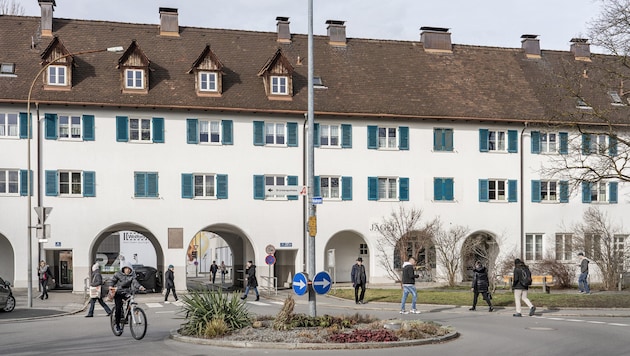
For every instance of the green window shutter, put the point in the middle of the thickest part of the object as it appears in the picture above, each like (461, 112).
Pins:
(152, 185)
(259, 136)
(437, 145)
(187, 186)
(89, 184)
(403, 138)
(512, 191)
(372, 132)
(24, 127)
(88, 127)
(293, 181)
(346, 188)
(512, 141)
(564, 143)
(192, 136)
(483, 190)
(564, 191)
(586, 192)
(483, 141)
(140, 185)
(448, 189)
(536, 196)
(227, 137)
(122, 129)
(222, 186)
(372, 188)
(448, 140)
(438, 188)
(612, 146)
(586, 144)
(403, 189)
(315, 137)
(535, 142)
(24, 182)
(317, 186)
(50, 124)
(612, 194)
(346, 136)
(158, 130)
(292, 134)
(51, 183)
(259, 187)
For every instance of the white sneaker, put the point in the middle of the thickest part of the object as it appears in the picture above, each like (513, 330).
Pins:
(404, 312)
(166, 302)
(413, 311)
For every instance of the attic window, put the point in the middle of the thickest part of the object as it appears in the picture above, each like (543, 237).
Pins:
(616, 98)
(279, 85)
(7, 68)
(208, 81)
(134, 78)
(57, 75)
(581, 104)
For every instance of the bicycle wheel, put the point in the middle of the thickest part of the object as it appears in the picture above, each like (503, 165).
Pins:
(137, 323)
(112, 322)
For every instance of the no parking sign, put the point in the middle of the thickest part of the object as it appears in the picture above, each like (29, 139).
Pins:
(270, 260)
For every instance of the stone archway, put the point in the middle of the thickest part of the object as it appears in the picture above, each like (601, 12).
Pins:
(422, 248)
(7, 259)
(342, 251)
(479, 246)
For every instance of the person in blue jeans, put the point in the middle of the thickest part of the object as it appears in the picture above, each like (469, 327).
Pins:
(409, 286)
(252, 282)
(583, 280)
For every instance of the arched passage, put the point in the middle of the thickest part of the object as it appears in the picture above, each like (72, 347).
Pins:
(342, 250)
(479, 246)
(7, 259)
(419, 245)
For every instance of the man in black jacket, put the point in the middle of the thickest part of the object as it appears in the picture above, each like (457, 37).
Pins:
(480, 285)
(169, 278)
(409, 286)
(359, 279)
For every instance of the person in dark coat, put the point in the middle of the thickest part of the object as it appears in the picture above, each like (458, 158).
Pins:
(95, 281)
(124, 283)
(44, 276)
(252, 282)
(213, 269)
(480, 284)
(169, 278)
(359, 279)
(520, 289)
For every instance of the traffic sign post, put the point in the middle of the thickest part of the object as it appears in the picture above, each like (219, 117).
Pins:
(322, 282)
(300, 283)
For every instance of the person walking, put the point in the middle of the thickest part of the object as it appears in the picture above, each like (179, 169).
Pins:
(44, 274)
(96, 281)
(122, 285)
(583, 286)
(359, 279)
(223, 271)
(169, 278)
(213, 269)
(480, 284)
(520, 288)
(252, 282)
(409, 286)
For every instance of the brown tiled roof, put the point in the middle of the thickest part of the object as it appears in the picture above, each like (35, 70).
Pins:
(378, 78)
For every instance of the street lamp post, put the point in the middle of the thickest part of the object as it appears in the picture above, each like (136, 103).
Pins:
(28, 152)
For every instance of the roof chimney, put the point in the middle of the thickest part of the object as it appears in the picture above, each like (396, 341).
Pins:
(436, 39)
(581, 49)
(284, 34)
(169, 25)
(531, 45)
(336, 33)
(48, 6)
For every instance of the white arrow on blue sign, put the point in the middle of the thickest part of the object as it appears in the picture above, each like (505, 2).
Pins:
(300, 283)
(322, 282)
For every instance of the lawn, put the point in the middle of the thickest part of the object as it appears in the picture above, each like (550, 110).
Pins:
(502, 297)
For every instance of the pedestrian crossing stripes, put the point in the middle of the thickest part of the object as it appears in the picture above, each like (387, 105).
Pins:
(583, 321)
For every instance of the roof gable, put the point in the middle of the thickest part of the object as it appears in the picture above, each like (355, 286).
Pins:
(277, 64)
(207, 60)
(133, 57)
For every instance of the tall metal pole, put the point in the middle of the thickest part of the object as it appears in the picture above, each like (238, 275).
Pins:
(312, 219)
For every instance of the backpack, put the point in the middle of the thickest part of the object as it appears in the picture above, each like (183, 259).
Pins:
(526, 277)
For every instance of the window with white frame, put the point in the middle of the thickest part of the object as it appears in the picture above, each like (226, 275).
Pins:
(330, 187)
(9, 181)
(8, 125)
(7, 68)
(70, 183)
(497, 190)
(387, 137)
(205, 185)
(279, 85)
(134, 78)
(387, 188)
(275, 133)
(329, 136)
(140, 130)
(208, 81)
(533, 247)
(548, 142)
(619, 249)
(592, 246)
(69, 127)
(548, 190)
(57, 75)
(598, 192)
(497, 140)
(209, 131)
(564, 247)
(277, 181)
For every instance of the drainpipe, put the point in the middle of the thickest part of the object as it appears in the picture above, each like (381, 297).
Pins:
(522, 201)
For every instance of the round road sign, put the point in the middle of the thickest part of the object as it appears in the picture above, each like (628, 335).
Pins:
(270, 249)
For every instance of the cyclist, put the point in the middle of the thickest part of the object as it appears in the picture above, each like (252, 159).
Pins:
(125, 282)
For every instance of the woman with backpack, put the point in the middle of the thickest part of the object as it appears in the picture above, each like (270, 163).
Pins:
(520, 285)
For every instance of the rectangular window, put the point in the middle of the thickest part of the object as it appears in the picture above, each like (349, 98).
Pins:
(497, 190)
(387, 188)
(205, 185)
(70, 127)
(363, 249)
(9, 181)
(619, 249)
(209, 131)
(496, 141)
(146, 185)
(549, 190)
(207, 81)
(592, 246)
(279, 85)
(330, 187)
(564, 247)
(8, 125)
(70, 183)
(387, 137)
(57, 75)
(275, 181)
(140, 130)
(329, 135)
(134, 78)
(275, 133)
(598, 143)
(443, 139)
(533, 247)
(7, 68)
(548, 142)
(598, 192)
(443, 189)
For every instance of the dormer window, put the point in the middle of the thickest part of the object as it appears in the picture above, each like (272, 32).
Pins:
(57, 75)
(59, 62)
(208, 82)
(135, 78)
(616, 98)
(277, 75)
(208, 74)
(279, 85)
(134, 68)
(581, 104)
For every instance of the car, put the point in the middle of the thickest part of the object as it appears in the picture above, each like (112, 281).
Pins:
(148, 277)
(7, 301)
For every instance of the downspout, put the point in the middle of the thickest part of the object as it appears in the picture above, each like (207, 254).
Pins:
(522, 200)
(305, 131)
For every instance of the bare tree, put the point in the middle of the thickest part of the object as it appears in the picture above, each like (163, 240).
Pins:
(603, 243)
(10, 7)
(448, 248)
(401, 228)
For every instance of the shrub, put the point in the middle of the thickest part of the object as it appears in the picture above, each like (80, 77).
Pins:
(561, 272)
(283, 319)
(364, 335)
(202, 308)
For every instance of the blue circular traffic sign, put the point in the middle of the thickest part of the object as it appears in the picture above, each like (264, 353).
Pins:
(270, 259)
(300, 283)
(322, 282)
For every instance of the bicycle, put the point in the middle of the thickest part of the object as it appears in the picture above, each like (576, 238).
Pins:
(132, 315)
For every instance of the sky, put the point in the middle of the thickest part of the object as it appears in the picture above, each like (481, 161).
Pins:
(495, 23)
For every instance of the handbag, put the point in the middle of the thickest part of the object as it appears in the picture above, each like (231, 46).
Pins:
(95, 292)
(110, 294)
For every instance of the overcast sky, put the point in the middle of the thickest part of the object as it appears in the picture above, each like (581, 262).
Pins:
(498, 23)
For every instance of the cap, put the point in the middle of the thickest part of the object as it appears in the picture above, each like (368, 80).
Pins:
(581, 254)
(360, 259)
(170, 266)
